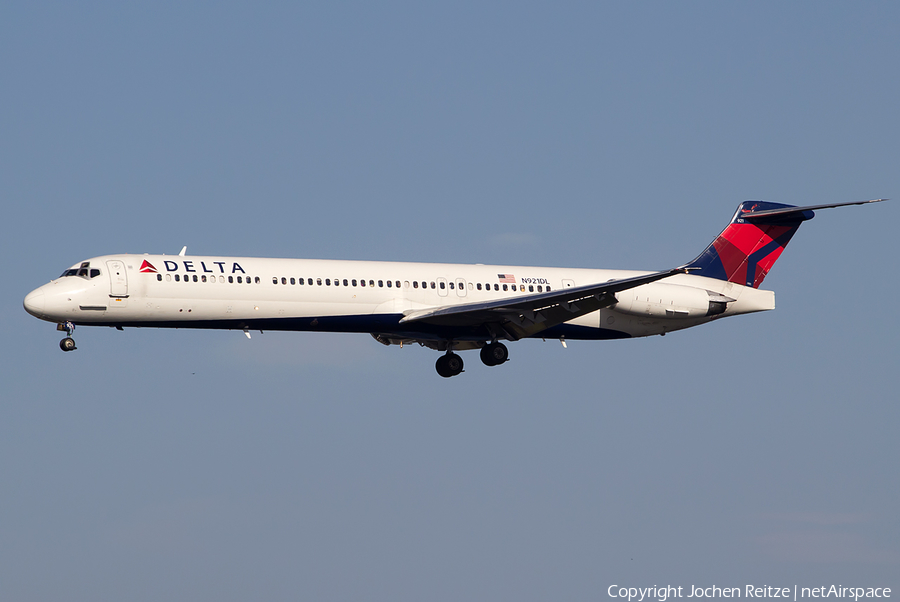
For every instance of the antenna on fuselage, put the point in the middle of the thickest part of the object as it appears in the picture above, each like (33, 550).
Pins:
(183, 251)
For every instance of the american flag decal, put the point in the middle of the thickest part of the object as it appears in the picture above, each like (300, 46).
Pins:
(507, 278)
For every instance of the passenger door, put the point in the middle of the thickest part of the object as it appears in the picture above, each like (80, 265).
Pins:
(118, 280)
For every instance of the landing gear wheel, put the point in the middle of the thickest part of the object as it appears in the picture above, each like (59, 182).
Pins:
(449, 365)
(67, 344)
(494, 354)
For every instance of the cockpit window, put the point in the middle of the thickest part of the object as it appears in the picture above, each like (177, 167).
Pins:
(84, 270)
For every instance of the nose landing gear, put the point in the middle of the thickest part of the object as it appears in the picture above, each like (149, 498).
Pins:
(68, 343)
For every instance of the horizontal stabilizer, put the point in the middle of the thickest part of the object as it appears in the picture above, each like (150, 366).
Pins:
(785, 212)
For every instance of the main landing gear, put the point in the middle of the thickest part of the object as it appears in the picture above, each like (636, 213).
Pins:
(449, 365)
(68, 343)
(492, 354)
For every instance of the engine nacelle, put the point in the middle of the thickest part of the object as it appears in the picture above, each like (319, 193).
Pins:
(660, 300)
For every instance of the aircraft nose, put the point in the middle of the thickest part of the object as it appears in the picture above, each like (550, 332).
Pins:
(34, 303)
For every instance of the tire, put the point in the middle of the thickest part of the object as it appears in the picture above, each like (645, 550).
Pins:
(449, 365)
(67, 344)
(454, 363)
(441, 366)
(494, 354)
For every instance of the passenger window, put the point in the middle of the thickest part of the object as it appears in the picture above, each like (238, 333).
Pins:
(405, 284)
(231, 280)
(345, 282)
(328, 282)
(362, 282)
(283, 280)
(522, 288)
(398, 284)
(168, 277)
(504, 287)
(318, 281)
(432, 285)
(274, 280)
(424, 284)
(451, 286)
(540, 288)
(530, 288)
(415, 284)
(195, 278)
(389, 284)
(548, 289)
(203, 278)
(221, 279)
(239, 279)
(380, 283)
(353, 282)
(300, 281)
(256, 280)
(177, 278)
(159, 277)
(443, 285)
(497, 287)
(478, 286)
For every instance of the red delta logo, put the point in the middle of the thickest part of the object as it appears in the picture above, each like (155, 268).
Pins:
(147, 267)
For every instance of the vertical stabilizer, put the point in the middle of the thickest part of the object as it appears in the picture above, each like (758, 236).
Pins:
(749, 246)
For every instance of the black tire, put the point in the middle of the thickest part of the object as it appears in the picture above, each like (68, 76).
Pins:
(494, 354)
(441, 366)
(67, 344)
(449, 365)
(454, 363)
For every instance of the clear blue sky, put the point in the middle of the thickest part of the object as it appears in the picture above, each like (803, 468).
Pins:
(182, 465)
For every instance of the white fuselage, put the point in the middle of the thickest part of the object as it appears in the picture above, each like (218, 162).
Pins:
(361, 296)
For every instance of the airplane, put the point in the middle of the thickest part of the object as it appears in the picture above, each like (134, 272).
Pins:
(445, 307)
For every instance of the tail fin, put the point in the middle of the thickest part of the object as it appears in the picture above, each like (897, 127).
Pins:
(748, 247)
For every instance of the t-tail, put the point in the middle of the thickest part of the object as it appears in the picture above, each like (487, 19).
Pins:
(750, 245)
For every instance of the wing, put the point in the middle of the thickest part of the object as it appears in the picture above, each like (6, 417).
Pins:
(526, 316)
